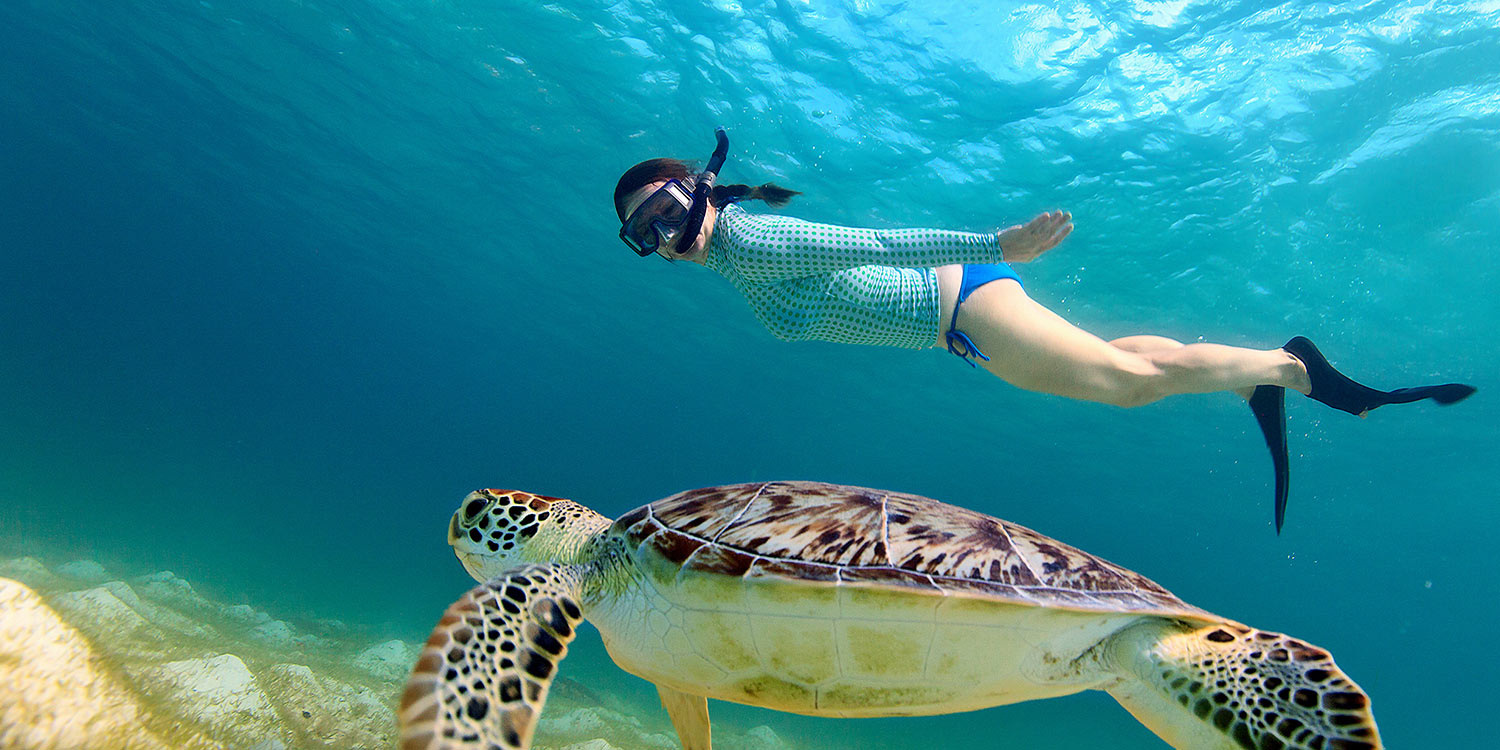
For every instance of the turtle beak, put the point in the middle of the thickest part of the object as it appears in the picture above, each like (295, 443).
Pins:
(453, 533)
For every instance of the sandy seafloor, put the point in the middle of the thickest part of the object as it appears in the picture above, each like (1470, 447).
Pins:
(280, 282)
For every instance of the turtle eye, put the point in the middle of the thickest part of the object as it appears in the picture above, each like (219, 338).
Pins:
(475, 507)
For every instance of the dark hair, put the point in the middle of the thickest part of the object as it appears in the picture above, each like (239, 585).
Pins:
(654, 170)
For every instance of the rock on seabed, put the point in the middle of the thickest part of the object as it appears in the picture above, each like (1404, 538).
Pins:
(391, 660)
(155, 666)
(55, 694)
(218, 692)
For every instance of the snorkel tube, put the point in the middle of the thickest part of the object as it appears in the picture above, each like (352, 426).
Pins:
(701, 193)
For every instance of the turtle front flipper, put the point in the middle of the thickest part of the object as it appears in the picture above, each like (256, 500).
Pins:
(482, 678)
(1227, 686)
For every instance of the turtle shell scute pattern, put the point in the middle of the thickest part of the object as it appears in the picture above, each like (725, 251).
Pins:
(816, 532)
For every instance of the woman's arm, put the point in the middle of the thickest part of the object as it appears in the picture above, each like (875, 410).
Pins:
(768, 248)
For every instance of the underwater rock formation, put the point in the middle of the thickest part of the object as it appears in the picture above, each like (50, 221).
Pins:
(92, 662)
(391, 660)
(155, 660)
(54, 692)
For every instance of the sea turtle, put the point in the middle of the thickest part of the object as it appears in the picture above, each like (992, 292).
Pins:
(829, 600)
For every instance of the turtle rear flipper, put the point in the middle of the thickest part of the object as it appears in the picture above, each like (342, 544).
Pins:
(1228, 686)
(689, 714)
(482, 678)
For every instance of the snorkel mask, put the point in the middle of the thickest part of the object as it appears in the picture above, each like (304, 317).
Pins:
(676, 209)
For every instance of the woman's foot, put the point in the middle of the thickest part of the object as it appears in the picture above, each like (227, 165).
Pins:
(1333, 388)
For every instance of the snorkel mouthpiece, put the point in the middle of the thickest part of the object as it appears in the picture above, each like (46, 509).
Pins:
(701, 193)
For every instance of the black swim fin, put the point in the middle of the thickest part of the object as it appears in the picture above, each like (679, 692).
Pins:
(1333, 388)
(1268, 403)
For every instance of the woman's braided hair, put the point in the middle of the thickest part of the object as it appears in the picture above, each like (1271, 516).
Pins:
(655, 170)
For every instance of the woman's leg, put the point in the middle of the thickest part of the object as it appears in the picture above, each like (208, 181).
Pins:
(1152, 344)
(1032, 347)
(1146, 344)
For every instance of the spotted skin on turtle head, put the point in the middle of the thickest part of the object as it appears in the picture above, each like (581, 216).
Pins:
(499, 520)
(482, 678)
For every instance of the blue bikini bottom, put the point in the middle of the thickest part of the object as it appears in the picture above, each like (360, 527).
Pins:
(975, 275)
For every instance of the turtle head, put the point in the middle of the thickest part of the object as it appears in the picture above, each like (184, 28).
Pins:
(494, 530)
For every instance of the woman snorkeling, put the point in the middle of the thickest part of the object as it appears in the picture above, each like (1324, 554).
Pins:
(922, 288)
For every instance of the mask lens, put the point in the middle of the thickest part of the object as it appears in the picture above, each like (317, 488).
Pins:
(657, 219)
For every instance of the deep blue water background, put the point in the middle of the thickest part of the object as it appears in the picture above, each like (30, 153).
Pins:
(281, 281)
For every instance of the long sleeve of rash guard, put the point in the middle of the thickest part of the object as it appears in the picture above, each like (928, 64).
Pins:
(772, 248)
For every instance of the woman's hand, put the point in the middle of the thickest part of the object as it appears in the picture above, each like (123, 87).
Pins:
(1022, 243)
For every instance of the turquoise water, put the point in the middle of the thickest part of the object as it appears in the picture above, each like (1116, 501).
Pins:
(281, 281)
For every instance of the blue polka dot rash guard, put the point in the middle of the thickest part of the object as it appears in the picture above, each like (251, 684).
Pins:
(847, 285)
